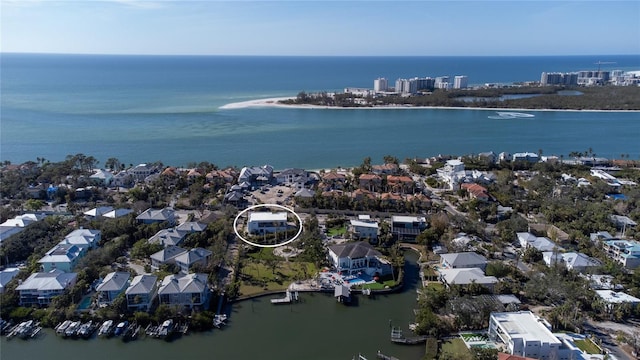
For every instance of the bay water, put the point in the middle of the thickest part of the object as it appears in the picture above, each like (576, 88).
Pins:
(167, 108)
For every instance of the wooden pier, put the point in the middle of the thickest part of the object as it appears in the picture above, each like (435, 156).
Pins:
(398, 338)
(288, 298)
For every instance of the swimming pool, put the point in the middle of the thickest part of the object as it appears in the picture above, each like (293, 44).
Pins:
(85, 303)
(355, 281)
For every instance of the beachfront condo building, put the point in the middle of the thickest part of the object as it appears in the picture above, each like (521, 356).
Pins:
(460, 82)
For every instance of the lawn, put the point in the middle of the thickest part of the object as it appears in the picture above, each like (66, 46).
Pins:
(588, 346)
(455, 349)
(259, 276)
(341, 230)
(379, 286)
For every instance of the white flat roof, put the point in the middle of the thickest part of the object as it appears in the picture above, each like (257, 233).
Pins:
(268, 216)
(364, 224)
(613, 297)
(408, 219)
(524, 325)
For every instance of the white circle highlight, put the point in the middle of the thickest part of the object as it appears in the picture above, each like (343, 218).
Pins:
(235, 224)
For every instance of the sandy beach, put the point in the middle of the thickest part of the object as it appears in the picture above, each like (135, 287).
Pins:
(275, 102)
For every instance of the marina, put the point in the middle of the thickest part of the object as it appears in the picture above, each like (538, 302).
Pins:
(25, 330)
(315, 316)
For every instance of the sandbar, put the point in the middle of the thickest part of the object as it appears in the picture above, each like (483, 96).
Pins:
(275, 102)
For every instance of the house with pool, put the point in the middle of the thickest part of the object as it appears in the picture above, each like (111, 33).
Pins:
(358, 258)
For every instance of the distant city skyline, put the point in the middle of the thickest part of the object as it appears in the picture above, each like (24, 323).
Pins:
(321, 28)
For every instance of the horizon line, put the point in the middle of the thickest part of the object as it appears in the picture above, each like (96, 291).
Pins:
(288, 55)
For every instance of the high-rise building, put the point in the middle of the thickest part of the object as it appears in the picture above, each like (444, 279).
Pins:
(559, 78)
(426, 83)
(380, 85)
(460, 82)
(442, 82)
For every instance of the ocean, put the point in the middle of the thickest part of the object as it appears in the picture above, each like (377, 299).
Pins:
(167, 108)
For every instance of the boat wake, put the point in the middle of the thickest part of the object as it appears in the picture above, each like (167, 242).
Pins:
(510, 115)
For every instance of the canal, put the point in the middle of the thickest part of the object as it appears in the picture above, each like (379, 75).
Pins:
(316, 328)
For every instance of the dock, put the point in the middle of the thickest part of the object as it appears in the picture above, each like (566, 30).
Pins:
(398, 338)
(288, 298)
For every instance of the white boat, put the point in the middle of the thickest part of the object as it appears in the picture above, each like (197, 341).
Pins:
(219, 320)
(105, 329)
(510, 115)
(72, 328)
(165, 329)
(62, 327)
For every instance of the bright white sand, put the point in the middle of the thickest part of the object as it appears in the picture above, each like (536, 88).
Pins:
(274, 102)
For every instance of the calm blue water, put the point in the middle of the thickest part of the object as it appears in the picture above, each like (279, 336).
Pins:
(148, 108)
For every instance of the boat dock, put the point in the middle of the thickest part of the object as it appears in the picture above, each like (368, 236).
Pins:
(288, 298)
(398, 338)
(25, 330)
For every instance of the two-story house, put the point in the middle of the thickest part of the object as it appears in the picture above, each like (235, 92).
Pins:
(188, 291)
(40, 288)
(142, 292)
(114, 284)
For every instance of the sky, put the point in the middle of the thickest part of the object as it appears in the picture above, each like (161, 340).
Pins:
(326, 28)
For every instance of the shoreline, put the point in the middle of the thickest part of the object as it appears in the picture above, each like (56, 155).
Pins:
(274, 103)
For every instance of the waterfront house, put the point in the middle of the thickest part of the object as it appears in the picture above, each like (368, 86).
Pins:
(111, 286)
(188, 259)
(406, 228)
(524, 334)
(101, 177)
(41, 287)
(62, 257)
(463, 260)
(189, 291)
(625, 252)
(400, 184)
(142, 171)
(165, 256)
(333, 181)
(466, 277)
(267, 222)
(355, 257)
(142, 292)
(385, 169)
(152, 216)
(7, 275)
(292, 177)
(371, 182)
(256, 175)
(225, 176)
(122, 179)
(525, 157)
(364, 228)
